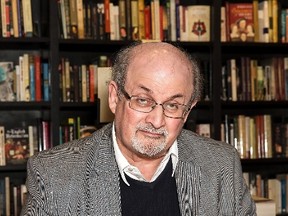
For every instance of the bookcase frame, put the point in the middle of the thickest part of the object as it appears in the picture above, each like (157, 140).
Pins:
(215, 50)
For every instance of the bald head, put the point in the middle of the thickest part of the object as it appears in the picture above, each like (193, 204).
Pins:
(154, 55)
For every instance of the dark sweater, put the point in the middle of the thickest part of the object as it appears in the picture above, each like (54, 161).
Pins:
(150, 199)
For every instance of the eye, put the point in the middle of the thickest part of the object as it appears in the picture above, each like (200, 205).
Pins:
(171, 106)
(144, 102)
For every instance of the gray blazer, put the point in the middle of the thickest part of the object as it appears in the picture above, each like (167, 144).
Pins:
(82, 178)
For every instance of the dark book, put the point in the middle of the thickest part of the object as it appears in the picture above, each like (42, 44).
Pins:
(101, 21)
(36, 17)
(16, 145)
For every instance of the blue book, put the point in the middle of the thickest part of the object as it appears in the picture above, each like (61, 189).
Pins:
(46, 82)
(32, 82)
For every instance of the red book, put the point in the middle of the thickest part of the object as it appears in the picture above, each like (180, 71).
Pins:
(91, 83)
(107, 18)
(147, 22)
(37, 65)
(240, 23)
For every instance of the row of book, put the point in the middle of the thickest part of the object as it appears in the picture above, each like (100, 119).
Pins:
(23, 18)
(259, 136)
(27, 80)
(254, 21)
(247, 79)
(12, 196)
(19, 142)
(274, 188)
(81, 83)
(134, 20)
(72, 129)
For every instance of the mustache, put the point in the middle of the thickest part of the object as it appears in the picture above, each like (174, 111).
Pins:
(151, 129)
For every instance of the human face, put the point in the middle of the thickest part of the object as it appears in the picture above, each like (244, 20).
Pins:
(159, 75)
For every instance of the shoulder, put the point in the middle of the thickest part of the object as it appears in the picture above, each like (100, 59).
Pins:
(195, 147)
(76, 150)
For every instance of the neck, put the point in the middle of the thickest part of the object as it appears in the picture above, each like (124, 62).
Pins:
(147, 166)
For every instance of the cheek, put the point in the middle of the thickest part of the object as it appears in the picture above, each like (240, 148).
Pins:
(174, 128)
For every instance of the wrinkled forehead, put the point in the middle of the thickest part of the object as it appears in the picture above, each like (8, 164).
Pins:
(157, 54)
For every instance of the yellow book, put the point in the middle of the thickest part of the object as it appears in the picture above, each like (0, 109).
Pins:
(255, 20)
(15, 18)
(27, 18)
(80, 19)
(104, 77)
(275, 20)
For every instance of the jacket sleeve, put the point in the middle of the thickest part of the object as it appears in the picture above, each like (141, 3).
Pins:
(245, 205)
(37, 200)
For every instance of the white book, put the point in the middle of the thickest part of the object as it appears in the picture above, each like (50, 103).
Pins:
(199, 22)
(233, 79)
(104, 77)
(116, 22)
(25, 75)
(173, 19)
(263, 21)
(31, 140)
(112, 22)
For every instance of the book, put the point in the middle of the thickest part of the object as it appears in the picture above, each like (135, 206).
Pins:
(203, 129)
(73, 19)
(2, 146)
(7, 74)
(264, 206)
(27, 18)
(104, 76)
(240, 22)
(223, 24)
(87, 130)
(199, 23)
(263, 21)
(16, 145)
(46, 81)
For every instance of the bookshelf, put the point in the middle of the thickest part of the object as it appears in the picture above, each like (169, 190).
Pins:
(213, 111)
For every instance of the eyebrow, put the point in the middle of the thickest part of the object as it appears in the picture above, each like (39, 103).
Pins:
(170, 98)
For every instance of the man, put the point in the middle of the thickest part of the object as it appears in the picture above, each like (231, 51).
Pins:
(144, 163)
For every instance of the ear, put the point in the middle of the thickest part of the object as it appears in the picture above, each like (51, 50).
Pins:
(113, 96)
(187, 114)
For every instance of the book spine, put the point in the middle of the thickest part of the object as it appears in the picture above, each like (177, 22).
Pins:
(2, 146)
(46, 81)
(27, 18)
(38, 80)
(32, 81)
(80, 18)
(15, 18)
(141, 19)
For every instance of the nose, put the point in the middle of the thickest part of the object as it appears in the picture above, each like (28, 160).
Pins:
(156, 117)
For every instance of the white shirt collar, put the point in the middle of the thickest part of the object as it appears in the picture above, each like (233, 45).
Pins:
(132, 171)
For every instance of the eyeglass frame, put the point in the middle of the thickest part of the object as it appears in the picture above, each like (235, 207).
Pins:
(128, 97)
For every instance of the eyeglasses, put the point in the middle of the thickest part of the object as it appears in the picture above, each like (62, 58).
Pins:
(145, 105)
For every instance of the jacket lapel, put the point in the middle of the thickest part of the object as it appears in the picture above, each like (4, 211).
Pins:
(103, 193)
